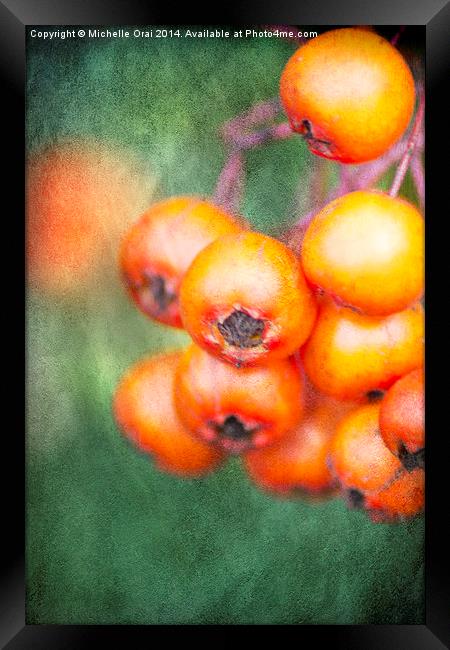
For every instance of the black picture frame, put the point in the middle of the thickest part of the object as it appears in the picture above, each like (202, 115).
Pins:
(15, 16)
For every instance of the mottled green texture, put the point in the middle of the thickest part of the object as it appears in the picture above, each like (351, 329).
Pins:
(109, 538)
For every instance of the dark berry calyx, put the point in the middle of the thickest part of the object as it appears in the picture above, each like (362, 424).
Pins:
(375, 395)
(316, 144)
(158, 288)
(355, 498)
(242, 330)
(411, 459)
(233, 429)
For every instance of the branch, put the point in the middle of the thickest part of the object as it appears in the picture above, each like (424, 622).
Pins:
(411, 144)
(229, 185)
(418, 178)
(262, 112)
(394, 39)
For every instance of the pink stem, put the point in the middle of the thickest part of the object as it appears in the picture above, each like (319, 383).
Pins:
(251, 140)
(411, 144)
(394, 39)
(418, 178)
(239, 137)
(366, 175)
(261, 112)
(229, 184)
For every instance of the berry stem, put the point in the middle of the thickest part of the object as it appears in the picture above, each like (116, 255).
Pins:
(242, 140)
(418, 177)
(411, 144)
(396, 37)
(257, 114)
(239, 137)
(367, 175)
(230, 183)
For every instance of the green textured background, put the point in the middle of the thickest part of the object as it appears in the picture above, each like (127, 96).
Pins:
(109, 538)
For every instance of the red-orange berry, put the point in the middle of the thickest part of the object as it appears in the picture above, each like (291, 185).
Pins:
(402, 419)
(371, 477)
(235, 408)
(349, 354)
(159, 248)
(245, 299)
(350, 93)
(403, 498)
(367, 249)
(145, 411)
(298, 462)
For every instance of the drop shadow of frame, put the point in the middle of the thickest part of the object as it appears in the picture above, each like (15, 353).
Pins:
(14, 17)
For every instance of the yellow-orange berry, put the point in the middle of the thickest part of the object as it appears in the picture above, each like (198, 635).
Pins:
(350, 93)
(367, 249)
(349, 355)
(80, 197)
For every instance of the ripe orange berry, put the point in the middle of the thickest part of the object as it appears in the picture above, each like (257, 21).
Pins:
(159, 248)
(371, 477)
(367, 249)
(80, 197)
(145, 411)
(403, 498)
(350, 93)
(245, 299)
(359, 458)
(238, 409)
(402, 419)
(298, 462)
(349, 355)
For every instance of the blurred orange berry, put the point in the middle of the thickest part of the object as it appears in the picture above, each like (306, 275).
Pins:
(80, 197)
(144, 409)
(299, 461)
(403, 498)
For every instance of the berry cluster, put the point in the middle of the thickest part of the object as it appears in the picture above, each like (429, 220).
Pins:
(305, 360)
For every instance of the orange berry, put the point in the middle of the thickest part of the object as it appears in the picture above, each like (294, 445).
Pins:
(403, 498)
(144, 409)
(79, 197)
(349, 355)
(359, 458)
(367, 249)
(245, 299)
(299, 461)
(370, 476)
(402, 419)
(238, 409)
(350, 93)
(159, 248)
